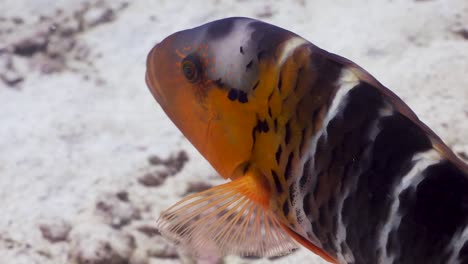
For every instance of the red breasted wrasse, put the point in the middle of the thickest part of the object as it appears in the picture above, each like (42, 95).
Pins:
(316, 149)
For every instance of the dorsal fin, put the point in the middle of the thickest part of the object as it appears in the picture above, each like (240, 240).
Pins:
(227, 219)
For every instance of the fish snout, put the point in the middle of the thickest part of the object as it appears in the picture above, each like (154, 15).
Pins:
(151, 74)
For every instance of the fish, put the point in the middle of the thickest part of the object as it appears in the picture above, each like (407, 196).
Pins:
(315, 152)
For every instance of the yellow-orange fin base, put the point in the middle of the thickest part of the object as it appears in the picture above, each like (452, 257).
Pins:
(226, 220)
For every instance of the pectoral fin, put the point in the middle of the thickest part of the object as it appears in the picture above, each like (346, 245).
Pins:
(228, 219)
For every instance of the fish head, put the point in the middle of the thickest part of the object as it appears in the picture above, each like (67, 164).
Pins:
(203, 78)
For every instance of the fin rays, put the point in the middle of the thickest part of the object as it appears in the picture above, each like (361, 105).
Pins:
(223, 221)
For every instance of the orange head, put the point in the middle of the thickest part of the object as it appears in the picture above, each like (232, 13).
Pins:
(207, 80)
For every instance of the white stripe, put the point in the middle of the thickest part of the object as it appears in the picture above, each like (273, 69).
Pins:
(345, 83)
(456, 244)
(421, 161)
(348, 257)
(289, 46)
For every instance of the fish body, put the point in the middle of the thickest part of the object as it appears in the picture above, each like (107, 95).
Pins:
(317, 151)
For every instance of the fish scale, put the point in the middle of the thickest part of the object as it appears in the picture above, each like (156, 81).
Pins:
(317, 152)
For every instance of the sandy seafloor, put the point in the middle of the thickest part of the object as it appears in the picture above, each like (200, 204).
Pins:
(88, 159)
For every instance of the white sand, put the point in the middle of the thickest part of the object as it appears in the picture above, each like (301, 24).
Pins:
(73, 139)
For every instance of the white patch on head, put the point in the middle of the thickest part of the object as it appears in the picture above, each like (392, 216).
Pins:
(411, 180)
(456, 245)
(230, 61)
(289, 46)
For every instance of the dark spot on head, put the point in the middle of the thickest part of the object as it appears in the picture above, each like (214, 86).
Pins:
(219, 82)
(249, 65)
(233, 94)
(279, 187)
(241, 50)
(242, 97)
(255, 85)
(260, 55)
(269, 111)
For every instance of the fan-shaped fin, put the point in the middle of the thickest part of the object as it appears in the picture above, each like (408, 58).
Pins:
(229, 219)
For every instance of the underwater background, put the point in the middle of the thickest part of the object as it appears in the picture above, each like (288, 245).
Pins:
(88, 159)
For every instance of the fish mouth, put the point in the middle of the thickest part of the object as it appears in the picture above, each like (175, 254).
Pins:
(150, 75)
(153, 87)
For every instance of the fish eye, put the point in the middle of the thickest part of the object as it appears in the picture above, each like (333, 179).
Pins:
(191, 68)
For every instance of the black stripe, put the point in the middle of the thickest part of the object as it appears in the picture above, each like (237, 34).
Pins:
(287, 171)
(306, 203)
(291, 193)
(269, 96)
(315, 117)
(439, 204)
(287, 136)
(286, 208)
(299, 74)
(278, 154)
(254, 135)
(279, 187)
(280, 82)
(255, 85)
(262, 126)
(302, 142)
(305, 173)
(317, 184)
